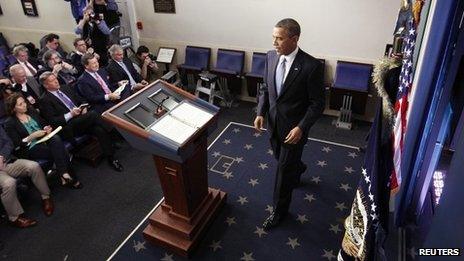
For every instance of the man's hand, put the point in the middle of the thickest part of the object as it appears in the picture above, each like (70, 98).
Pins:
(258, 123)
(84, 111)
(294, 136)
(114, 96)
(75, 112)
(57, 68)
(147, 61)
(122, 82)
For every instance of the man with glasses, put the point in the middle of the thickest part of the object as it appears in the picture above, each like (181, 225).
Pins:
(50, 42)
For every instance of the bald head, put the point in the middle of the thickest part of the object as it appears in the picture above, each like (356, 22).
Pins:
(18, 73)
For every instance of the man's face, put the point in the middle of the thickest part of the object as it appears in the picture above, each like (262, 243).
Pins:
(81, 46)
(22, 56)
(19, 76)
(118, 55)
(143, 56)
(51, 83)
(53, 45)
(92, 65)
(283, 44)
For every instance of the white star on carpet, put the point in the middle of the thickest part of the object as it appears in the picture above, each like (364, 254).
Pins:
(248, 146)
(263, 166)
(228, 175)
(236, 130)
(309, 197)
(316, 179)
(345, 187)
(260, 231)
(269, 209)
(167, 257)
(374, 216)
(352, 154)
(226, 141)
(371, 197)
(247, 257)
(302, 219)
(216, 154)
(230, 221)
(326, 149)
(349, 170)
(239, 159)
(328, 254)
(253, 182)
(139, 246)
(270, 152)
(293, 242)
(412, 252)
(257, 134)
(215, 245)
(373, 207)
(242, 200)
(340, 206)
(335, 228)
(367, 179)
(321, 163)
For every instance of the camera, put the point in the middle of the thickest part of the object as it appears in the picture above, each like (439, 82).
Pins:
(152, 57)
(95, 17)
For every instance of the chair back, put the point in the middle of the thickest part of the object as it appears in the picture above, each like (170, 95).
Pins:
(353, 76)
(197, 57)
(230, 60)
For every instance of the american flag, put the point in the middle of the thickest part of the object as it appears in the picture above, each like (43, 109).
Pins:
(401, 105)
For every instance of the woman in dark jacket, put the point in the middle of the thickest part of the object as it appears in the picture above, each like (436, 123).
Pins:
(25, 128)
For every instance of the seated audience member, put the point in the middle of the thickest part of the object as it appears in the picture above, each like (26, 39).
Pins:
(96, 33)
(53, 62)
(75, 57)
(60, 106)
(144, 64)
(121, 68)
(25, 128)
(50, 42)
(12, 168)
(21, 53)
(27, 86)
(93, 85)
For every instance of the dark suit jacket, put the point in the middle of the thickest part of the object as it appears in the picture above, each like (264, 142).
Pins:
(33, 62)
(91, 90)
(33, 88)
(301, 100)
(18, 132)
(117, 73)
(53, 110)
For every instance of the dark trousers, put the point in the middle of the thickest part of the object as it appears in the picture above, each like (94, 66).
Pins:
(289, 170)
(92, 124)
(52, 150)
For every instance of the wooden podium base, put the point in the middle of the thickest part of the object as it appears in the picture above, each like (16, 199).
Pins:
(181, 234)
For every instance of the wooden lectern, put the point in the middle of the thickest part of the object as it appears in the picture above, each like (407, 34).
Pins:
(180, 157)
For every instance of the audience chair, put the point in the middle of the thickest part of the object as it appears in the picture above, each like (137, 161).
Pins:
(255, 77)
(349, 90)
(196, 60)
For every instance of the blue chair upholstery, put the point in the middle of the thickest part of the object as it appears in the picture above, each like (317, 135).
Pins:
(11, 59)
(3, 52)
(3, 67)
(352, 76)
(229, 61)
(255, 76)
(196, 58)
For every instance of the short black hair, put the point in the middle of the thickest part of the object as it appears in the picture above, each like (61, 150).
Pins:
(76, 41)
(50, 37)
(86, 57)
(142, 49)
(289, 24)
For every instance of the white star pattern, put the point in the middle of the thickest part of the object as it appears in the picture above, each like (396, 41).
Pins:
(226, 141)
(239, 159)
(349, 170)
(335, 228)
(263, 166)
(302, 219)
(228, 175)
(374, 216)
(270, 152)
(316, 179)
(215, 245)
(236, 130)
(328, 254)
(216, 154)
(242, 200)
(247, 257)
(340, 206)
(253, 182)
(326, 149)
(321, 163)
(139, 246)
(412, 252)
(293, 242)
(367, 179)
(352, 154)
(260, 231)
(230, 221)
(269, 209)
(248, 146)
(364, 171)
(345, 187)
(167, 257)
(371, 197)
(257, 134)
(373, 207)
(309, 197)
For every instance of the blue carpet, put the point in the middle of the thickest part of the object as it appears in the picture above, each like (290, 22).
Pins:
(241, 163)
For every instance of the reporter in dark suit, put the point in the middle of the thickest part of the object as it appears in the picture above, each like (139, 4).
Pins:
(59, 105)
(25, 128)
(121, 68)
(292, 98)
(94, 86)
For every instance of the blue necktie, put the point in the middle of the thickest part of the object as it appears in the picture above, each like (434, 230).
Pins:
(67, 102)
(280, 76)
(131, 80)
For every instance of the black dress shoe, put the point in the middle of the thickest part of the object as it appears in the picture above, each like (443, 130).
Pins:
(116, 165)
(273, 220)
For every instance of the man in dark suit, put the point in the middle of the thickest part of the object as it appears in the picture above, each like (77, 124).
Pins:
(50, 42)
(95, 87)
(28, 86)
(292, 98)
(60, 106)
(21, 53)
(121, 68)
